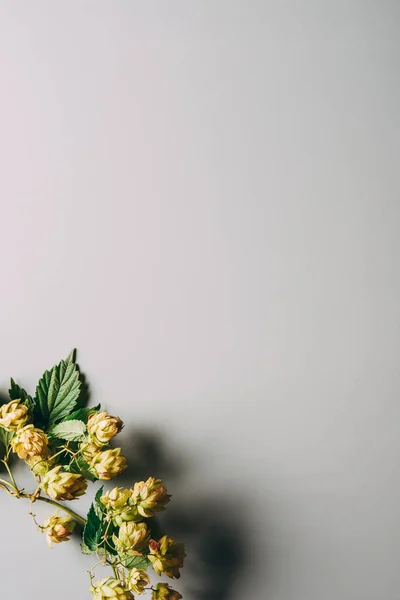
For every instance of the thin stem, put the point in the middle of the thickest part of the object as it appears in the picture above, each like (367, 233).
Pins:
(64, 508)
(12, 477)
(7, 483)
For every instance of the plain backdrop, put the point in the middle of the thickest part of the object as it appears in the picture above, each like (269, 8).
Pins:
(202, 197)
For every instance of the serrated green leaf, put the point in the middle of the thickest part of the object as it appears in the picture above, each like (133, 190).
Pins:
(93, 531)
(57, 392)
(99, 507)
(17, 393)
(82, 414)
(80, 466)
(136, 562)
(72, 431)
(85, 549)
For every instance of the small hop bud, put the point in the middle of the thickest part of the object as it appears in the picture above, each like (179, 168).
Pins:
(119, 505)
(131, 538)
(29, 441)
(13, 415)
(166, 557)
(106, 589)
(150, 496)
(60, 485)
(39, 465)
(108, 464)
(162, 591)
(137, 581)
(102, 427)
(58, 529)
(88, 451)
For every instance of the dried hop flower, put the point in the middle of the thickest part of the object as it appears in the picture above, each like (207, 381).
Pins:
(29, 441)
(166, 556)
(58, 529)
(102, 427)
(60, 485)
(162, 591)
(150, 496)
(119, 505)
(108, 464)
(13, 415)
(137, 581)
(131, 538)
(104, 589)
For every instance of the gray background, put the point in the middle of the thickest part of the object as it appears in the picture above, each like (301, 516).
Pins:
(202, 197)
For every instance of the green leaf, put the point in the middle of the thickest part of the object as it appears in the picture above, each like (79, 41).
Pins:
(80, 466)
(136, 562)
(82, 414)
(85, 549)
(72, 431)
(93, 531)
(16, 392)
(57, 392)
(99, 507)
(6, 436)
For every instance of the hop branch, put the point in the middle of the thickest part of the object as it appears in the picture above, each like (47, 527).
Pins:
(65, 447)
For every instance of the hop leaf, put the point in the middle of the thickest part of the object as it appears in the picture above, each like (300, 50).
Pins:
(57, 392)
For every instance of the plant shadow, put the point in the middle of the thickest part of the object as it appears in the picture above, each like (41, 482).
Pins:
(213, 528)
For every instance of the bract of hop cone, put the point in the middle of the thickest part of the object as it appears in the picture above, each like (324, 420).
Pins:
(66, 445)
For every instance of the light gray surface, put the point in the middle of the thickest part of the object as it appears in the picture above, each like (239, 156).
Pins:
(203, 198)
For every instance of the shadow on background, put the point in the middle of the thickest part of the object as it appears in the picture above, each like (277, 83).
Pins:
(213, 527)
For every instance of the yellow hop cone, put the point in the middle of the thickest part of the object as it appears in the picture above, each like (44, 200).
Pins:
(108, 464)
(60, 485)
(120, 508)
(104, 589)
(162, 591)
(58, 529)
(102, 427)
(150, 496)
(166, 557)
(131, 538)
(137, 580)
(13, 415)
(29, 441)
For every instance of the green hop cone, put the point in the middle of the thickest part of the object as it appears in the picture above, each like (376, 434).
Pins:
(39, 465)
(131, 538)
(108, 464)
(150, 496)
(89, 451)
(13, 415)
(137, 580)
(106, 589)
(102, 427)
(119, 505)
(60, 485)
(162, 591)
(166, 556)
(58, 529)
(29, 441)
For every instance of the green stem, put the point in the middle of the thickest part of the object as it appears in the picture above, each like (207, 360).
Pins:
(11, 477)
(64, 508)
(7, 483)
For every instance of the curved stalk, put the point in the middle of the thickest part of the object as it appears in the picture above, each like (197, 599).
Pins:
(14, 483)
(73, 514)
